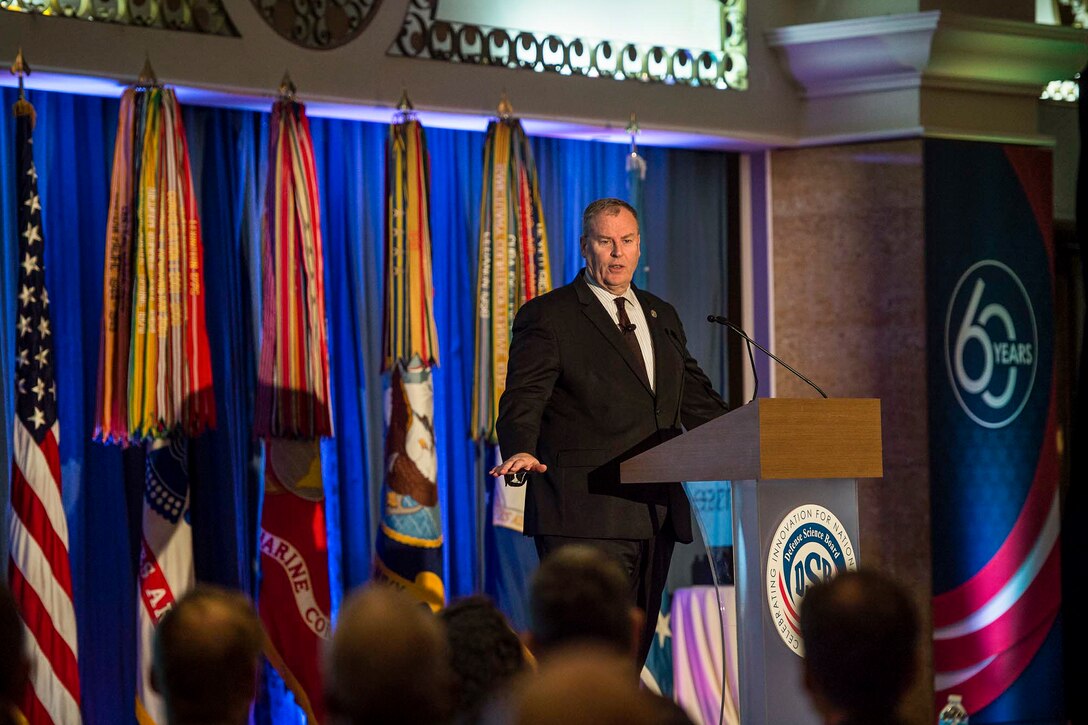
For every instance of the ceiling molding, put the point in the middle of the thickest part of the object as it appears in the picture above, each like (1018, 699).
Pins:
(963, 67)
(938, 48)
(882, 77)
(863, 55)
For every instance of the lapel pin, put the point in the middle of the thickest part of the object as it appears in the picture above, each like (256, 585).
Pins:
(653, 314)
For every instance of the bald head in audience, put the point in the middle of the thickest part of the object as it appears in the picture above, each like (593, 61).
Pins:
(387, 662)
(207, 650)
(581, 685)
(861, 636)
(581, 595)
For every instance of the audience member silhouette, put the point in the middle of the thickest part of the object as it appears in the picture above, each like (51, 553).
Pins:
(387, 663)
(207, 651)
(580, 595)
(581, 621)
(485, 654)
(861, 634)
(582, 684)
(14, 665)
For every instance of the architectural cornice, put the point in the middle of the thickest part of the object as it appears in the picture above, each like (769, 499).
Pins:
(935, 48)
(889, 76)
(359, 79)
(982, 74)
(844, 30)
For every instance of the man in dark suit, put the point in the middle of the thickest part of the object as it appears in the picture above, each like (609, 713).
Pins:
(598, 372)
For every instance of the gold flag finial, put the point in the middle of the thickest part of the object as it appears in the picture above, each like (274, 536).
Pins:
(405, 110)
(21, 69)
(147, 78)
(287, 90)
(506, 110)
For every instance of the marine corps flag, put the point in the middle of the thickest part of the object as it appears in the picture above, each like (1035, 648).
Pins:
(38, 568)
(294, 599)
(154, 364)
(293, 409)
(409, 545)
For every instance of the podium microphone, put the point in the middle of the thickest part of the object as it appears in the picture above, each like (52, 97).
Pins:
(726, 323)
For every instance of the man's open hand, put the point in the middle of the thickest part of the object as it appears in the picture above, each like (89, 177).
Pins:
(517, 463)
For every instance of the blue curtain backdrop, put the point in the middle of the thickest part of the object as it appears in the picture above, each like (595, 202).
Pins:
(684, 243)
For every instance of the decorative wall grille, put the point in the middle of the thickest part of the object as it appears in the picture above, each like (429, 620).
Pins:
(197, 16)
(424, 35)
(318, 24)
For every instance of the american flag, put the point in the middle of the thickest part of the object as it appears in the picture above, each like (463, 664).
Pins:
(39, 572)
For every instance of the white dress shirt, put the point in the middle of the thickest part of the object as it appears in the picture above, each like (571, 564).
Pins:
(637, 317)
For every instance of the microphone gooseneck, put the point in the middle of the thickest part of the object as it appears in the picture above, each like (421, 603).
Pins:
(718, 319)
(755, 373)
(674, 338)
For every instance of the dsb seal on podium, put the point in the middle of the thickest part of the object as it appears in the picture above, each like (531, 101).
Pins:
(809, 546)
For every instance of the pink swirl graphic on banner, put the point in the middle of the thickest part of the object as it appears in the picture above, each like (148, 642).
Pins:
(988, 629)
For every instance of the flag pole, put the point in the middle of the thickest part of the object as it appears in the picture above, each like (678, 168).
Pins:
(293, 407)
(410, 540)
(52, 693)
(636, 175)
(21, 69)
(513, 267)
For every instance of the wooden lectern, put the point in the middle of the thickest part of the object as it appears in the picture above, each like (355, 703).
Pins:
(783, 456)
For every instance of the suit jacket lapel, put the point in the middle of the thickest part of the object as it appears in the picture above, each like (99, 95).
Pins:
(665, 379)
(593, 309)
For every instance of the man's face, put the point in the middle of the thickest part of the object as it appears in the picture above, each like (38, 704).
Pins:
(611, 249)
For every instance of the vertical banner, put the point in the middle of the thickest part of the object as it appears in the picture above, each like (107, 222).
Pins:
(1076, 498)
(408, 551)
(293, 387)
(294, 597)
(293, 410)
(154, 363)
(39, 571)
(513, 264)
(166, 558)
(513, 268)
(994, 442)
(409, 546)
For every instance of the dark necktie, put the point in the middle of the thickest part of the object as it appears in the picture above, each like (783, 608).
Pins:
(628, 331)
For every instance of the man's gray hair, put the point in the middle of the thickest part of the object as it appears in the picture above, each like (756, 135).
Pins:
(608, 205)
